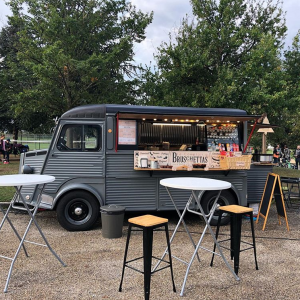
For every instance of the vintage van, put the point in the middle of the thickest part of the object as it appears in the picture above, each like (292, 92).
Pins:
(96, 150)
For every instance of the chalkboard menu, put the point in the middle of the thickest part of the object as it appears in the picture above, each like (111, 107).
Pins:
(272, 191)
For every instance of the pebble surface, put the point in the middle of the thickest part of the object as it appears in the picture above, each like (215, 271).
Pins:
(94, 263)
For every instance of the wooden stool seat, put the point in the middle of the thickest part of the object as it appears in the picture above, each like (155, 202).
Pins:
(236, 213)
(236, 209)
(147, 223)
(147, 220)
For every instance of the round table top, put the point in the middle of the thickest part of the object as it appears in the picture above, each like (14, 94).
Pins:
(195, 183)
(24, 179)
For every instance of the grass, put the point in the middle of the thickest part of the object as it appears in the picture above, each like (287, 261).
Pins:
(284, 172)
(7, 192)
(37, 146)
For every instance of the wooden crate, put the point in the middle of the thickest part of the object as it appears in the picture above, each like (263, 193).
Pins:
(235, 163)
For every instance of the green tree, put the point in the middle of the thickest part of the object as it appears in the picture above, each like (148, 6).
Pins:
(77, 52)
(292, 114)
(8, 86)
(228, 56)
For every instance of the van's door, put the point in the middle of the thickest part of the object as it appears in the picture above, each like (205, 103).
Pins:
(76, 159)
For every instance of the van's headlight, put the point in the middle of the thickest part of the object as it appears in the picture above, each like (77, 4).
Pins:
(27, 170)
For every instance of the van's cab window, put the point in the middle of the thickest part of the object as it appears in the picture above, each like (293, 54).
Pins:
(80, 138)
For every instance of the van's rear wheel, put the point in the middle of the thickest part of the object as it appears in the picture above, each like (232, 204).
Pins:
(207, 201)
(78, 211)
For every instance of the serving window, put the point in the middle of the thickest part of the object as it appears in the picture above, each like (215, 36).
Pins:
(175, 134)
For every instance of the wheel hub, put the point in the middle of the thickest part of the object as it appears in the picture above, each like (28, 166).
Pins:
(78, 211)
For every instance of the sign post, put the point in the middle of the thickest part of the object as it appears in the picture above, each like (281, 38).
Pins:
(272, 189)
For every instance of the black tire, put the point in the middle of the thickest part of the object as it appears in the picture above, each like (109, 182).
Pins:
(78, 211)
(226, 198)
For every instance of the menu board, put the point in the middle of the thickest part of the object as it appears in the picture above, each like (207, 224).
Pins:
(127, 132)
(175, 160)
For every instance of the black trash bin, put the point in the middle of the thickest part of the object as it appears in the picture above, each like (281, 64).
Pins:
(112, 217)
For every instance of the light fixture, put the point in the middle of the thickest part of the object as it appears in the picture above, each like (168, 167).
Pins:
(166, 119)
(171, 124)
(144, 119)
(154, 119)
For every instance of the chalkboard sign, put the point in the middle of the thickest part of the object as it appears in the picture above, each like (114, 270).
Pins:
(272, 190)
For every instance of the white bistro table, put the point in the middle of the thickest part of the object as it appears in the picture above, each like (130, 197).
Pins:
(196, 185)
(18, 202)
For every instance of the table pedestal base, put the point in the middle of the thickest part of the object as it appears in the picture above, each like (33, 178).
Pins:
(31, 212)
(207, 219)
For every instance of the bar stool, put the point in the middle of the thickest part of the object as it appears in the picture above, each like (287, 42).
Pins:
(236, 212)
(148, 223)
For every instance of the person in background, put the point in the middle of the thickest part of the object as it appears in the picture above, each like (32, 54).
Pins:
(286, 154)
(276, 154)
(7, 151)
(280, 152)
(297, 157)
(2, 145)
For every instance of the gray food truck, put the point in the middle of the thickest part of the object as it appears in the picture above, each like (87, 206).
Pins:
(117, 154)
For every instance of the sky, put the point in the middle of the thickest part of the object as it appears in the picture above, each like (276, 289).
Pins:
(168, 15)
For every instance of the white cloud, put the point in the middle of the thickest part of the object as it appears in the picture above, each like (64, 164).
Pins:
(168, 15)
(4, 12)
(292, 7)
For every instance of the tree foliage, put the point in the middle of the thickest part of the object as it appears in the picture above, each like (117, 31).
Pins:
(9, 86)
(229, 47)
(74, 52)
(290, 114)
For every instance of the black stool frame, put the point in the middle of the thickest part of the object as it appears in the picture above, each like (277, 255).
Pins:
(235, 237)
(147, 256)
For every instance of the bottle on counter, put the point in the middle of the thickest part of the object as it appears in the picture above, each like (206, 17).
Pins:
(213, 146)
(227, 147)
(209, 147)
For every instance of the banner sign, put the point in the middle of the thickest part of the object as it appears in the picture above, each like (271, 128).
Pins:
(174, 160)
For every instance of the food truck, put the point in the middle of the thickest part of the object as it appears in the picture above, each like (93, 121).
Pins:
(106, 154)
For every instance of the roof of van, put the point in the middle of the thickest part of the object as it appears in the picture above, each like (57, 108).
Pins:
(95, 111)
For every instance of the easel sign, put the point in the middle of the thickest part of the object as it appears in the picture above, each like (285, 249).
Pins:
(272, 189)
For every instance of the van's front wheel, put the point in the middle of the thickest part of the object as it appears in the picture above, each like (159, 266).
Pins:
(226, 198)
(78, 211)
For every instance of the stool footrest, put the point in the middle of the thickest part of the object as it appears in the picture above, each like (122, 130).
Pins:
(247, 249)
(157, 258)
(241, 250)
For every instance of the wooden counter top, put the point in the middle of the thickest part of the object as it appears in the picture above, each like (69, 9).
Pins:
(165, 169)
(263, 164)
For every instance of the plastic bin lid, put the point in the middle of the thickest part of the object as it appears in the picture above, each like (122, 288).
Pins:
(112, 209)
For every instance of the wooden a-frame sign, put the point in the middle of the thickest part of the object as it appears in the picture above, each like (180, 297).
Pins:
(272, 189)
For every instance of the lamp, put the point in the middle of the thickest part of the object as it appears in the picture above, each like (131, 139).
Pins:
(265, 131)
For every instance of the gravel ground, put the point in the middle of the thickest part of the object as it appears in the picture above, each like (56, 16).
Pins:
(94, 263)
